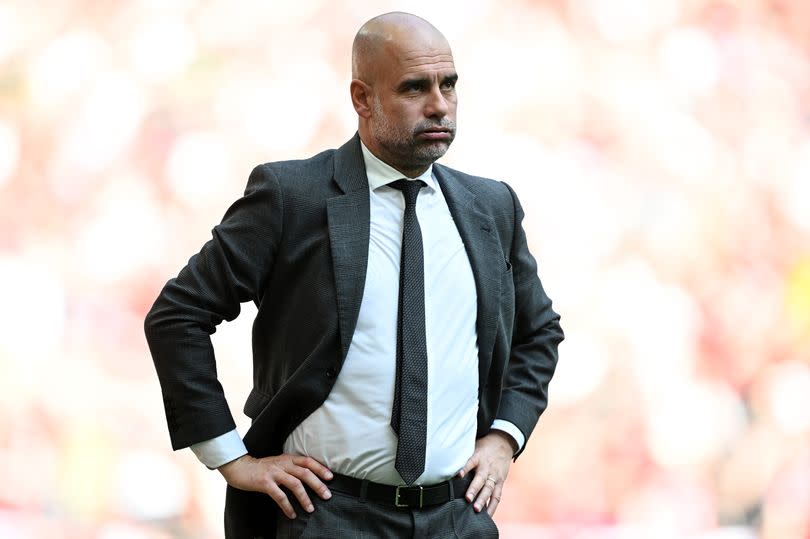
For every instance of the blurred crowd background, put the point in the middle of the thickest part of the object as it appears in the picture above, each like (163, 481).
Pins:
(661, 149)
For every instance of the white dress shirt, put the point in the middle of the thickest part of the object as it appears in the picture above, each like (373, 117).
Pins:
(350, 432)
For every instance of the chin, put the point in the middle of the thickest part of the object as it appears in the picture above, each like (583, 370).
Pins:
(433, 151)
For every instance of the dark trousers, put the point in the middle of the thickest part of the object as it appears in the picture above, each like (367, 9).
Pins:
(347, 517)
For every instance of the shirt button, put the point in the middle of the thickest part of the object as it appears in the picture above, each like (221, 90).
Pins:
(331, 372)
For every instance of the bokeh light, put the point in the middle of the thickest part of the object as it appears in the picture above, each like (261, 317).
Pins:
(661, 151)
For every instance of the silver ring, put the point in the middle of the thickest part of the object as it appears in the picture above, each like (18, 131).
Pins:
(489, 478)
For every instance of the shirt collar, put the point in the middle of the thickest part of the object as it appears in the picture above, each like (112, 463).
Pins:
(380, 173)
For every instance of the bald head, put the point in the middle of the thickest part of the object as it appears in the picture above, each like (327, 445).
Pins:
(387, 37)
(404, 91)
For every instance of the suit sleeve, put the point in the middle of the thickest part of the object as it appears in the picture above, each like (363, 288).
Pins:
(535, 337)
(230, 269)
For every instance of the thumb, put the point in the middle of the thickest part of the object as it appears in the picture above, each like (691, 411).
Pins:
(472, 463)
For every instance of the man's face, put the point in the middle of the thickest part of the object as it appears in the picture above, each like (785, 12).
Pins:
(413, 120)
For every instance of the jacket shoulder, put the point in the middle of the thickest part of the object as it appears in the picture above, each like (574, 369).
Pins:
(485, 189)
(295, 171)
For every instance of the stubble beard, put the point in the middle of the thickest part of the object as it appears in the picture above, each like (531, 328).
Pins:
(402, 146)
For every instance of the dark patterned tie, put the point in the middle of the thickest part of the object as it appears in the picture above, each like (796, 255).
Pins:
(409, 414)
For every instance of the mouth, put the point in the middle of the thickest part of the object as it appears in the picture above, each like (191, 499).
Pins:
(436, 133)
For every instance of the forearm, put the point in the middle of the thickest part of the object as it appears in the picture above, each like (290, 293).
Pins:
(193, 398)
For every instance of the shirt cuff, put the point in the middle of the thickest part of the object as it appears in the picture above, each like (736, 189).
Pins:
(220, 450)
(510, 429)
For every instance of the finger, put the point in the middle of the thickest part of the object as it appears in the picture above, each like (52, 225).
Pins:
(296, 487)
(495, 499)
(313, 482)
(312, 464)
(281, 500)
(485, 493)
(476, 484)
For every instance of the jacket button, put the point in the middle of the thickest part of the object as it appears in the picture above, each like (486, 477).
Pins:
(331, 372)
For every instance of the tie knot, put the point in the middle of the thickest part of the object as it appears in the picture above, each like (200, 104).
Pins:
(409, 188)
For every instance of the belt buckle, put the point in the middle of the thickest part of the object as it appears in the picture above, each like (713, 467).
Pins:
(421, 496)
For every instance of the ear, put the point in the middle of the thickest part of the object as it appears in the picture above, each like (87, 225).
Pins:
(361, 97)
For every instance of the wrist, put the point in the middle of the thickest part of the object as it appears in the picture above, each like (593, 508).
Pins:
(225, 469)
(509, 443)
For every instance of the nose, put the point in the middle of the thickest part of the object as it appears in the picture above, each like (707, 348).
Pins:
(436, 105)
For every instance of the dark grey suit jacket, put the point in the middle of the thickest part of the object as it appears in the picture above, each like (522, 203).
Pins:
(296, 245)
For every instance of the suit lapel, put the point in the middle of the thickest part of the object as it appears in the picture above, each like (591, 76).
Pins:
(477, 231)
(348, 217)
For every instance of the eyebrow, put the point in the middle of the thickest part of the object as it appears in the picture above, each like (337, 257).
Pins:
(411, 82)
(423, 82)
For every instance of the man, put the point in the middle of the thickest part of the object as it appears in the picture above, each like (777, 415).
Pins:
(403, 343)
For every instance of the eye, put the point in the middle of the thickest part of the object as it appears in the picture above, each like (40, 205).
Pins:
(448, 84)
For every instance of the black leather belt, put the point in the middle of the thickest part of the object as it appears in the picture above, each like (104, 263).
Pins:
(413, 497)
